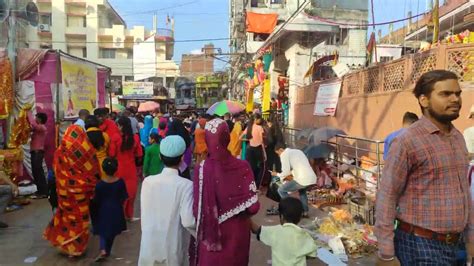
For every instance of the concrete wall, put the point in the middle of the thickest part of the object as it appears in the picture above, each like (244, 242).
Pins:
(373, 116)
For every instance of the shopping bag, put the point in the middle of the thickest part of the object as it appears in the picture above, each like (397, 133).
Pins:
(272, 192)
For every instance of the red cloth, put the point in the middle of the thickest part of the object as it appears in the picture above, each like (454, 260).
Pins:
(426, 176)
(224, 199)
(76, 170)
(112, 131)
(261, 23)
(127, 170)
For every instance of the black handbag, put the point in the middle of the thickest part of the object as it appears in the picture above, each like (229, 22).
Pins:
(272, 192)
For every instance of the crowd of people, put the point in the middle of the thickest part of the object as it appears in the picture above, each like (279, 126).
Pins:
(201, 177)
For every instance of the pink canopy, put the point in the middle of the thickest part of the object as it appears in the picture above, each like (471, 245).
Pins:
(148, 106)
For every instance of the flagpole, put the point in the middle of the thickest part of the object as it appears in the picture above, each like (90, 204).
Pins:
(373, 30)
(435, 21)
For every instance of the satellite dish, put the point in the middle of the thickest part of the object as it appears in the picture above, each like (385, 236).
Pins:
(3, 10)
(30, 14)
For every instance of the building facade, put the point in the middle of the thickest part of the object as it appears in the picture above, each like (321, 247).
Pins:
(193, 65)
(304, 32)
(94, 30)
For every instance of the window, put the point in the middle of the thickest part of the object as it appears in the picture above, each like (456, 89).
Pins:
(260, 37)
(130, 54)
(79, 52)
(74, 21)
(45, 19)
(128, 78)
(169, 82)
(385, 59)
(107, 53)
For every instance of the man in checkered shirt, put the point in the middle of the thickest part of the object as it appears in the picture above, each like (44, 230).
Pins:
(424, 184)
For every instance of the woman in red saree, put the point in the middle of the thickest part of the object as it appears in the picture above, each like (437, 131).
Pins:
(77, 170)
(225, 197)
(126, 150)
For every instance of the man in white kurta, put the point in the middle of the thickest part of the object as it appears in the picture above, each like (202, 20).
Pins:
(166, 211)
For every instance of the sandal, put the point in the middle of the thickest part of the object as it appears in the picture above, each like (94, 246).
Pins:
(273, 211)
(102, 256)
(38, 196)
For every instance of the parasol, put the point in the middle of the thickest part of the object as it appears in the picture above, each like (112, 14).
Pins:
(322, 150)
(223, 107)
(148, 106)
(324, 134)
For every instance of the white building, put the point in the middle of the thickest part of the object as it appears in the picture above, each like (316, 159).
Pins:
(93, 29)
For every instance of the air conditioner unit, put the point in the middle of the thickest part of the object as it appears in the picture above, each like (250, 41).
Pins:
(44, 27)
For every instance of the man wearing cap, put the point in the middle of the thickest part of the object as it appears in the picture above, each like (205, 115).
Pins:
(167, 210)
(469, 135)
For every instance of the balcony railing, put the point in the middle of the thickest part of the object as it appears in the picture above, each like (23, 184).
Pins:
(402, 74)
(164, 34)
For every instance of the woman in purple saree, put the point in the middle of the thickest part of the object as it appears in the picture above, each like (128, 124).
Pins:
(225, 197)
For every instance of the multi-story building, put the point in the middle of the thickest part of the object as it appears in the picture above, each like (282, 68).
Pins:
(193, 65)
(305, 32)
(93, 29)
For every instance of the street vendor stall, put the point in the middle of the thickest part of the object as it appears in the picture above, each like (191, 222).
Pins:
(353, 166)
(54, 83)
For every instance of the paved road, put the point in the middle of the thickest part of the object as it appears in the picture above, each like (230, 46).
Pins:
(23, 240)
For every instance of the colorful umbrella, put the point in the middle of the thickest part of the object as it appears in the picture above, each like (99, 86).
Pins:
(116, 107)
(223, 107)
(148, 106)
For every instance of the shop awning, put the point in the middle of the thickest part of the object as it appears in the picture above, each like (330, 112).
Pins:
(261, 23)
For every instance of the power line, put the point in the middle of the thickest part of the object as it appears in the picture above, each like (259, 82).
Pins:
(362, 24)
(156, 41)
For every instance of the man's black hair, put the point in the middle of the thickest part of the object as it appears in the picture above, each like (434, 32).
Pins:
(291, 209)
(91, 121)
(101, 111)
(171, 161)
(155, 137)
(110, 166)
(280, 145)
(83, 112)
(43, 118)
(162, 125)
(425, 84)
(409, 118)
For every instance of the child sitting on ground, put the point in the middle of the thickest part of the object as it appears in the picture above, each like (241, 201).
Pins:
(108, 219)
(290, 244)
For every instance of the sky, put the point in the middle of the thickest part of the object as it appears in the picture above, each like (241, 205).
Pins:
(194, 19)
(207, 19)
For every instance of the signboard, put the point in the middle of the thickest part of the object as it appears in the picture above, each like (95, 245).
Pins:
(141, 89)
(327, 98)
(79, 87)
(144, 59)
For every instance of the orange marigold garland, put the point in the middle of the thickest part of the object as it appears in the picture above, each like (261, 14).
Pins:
(6, 89)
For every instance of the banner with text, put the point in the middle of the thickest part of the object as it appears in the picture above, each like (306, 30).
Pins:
(327, 98)
(79, 86)
(143, 89)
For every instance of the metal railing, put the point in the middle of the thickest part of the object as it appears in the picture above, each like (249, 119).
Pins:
(358, 150)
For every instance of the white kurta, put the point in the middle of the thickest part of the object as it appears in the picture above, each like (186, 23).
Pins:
(166, 218)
